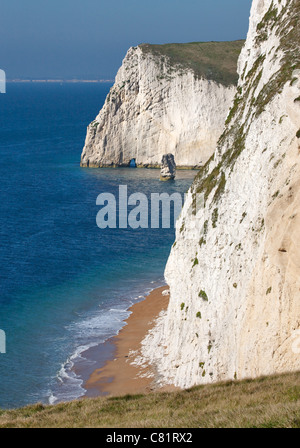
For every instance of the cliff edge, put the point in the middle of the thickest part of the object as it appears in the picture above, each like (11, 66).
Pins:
(234, 270)
(170, 98)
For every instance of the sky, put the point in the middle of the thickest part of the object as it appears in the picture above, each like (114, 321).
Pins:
(89, 38)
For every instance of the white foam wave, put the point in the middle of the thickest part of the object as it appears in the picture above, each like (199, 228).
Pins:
(87, 332)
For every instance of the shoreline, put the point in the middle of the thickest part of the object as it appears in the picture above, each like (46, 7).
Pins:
(118, 376)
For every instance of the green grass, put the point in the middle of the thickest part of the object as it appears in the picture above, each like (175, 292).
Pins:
(203, 295)
(196, 261)
(216, 61)
(263, 403)
(215, 216)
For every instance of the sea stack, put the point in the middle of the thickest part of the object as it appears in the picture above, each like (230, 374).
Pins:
(168, 168)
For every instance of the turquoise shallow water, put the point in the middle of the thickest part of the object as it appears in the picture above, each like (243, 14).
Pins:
(65, 284)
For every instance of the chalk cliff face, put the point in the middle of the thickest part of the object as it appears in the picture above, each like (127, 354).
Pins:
(155, 108)
(234, 271)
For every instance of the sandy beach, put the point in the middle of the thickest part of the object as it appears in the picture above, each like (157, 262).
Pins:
(119, 376)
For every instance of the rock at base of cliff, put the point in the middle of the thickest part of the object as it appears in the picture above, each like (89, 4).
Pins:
(168, 168)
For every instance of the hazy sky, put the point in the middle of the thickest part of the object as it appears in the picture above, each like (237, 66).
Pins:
(89, 38)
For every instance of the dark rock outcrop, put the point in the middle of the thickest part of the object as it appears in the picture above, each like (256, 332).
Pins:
(168, 167)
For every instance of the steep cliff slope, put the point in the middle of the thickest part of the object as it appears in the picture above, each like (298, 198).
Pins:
(166, 99)
(234, 271)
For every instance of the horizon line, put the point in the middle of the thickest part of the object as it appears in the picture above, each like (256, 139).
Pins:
(53, 80)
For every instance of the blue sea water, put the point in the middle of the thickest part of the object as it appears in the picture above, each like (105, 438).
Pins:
(65, 285)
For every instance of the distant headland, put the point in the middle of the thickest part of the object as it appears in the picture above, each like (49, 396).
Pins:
(60, 80)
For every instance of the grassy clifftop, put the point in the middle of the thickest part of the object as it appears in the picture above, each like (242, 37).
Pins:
(265, 403)
(216, 61)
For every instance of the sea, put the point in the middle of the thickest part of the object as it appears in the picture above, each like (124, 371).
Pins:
(65, 284)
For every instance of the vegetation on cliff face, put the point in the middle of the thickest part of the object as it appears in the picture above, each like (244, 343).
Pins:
(287, 29)
(268, 402)
(288, 32)
(216, 61)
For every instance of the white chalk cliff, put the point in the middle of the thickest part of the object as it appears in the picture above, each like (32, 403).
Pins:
(234, 271)
(157, 107)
